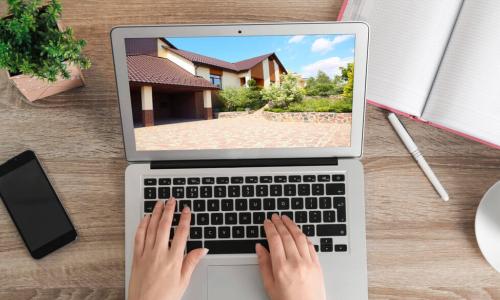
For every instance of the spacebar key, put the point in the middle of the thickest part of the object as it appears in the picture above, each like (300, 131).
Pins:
(233, 246)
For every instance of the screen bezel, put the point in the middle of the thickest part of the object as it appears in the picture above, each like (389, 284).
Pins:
(56, 243)
(359, 29)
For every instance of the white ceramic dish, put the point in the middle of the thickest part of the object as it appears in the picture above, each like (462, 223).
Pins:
(488, 226)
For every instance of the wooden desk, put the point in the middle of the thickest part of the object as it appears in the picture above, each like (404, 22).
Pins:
(418, 246)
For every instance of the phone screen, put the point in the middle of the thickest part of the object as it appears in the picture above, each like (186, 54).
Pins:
(34, 205)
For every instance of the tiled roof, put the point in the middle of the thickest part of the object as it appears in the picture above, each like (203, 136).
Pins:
(157, 70)
(236, 67)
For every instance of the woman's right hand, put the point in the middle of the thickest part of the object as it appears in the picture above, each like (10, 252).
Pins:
(291, 269)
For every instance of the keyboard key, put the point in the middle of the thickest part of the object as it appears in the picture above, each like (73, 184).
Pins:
(311, 203)
(288, 214)
(294, 178)
(259, 217)
(194, 180)
(269, 204)
(199, 205)
(149, 206)
(335, 189)
(325, 202)
(191, 245)
(192, 192)
(251, 179)
(206, 192)
(195, 233)
(176, 219)
(222, 180)
(255, 204)
(165, 181)
(261, 190)
(308, 230)
(213, 205)
(262, 232)
(231, 218)
(224, 232)
(202, 219)
(247, 190)
(331, 229)
(241, 204)
(150, 193)
(316, 248)
(297, 203)
(279, 179)
(338, 177)
(235, 180)
(227, 204)
(290, 190)
(283, 203)
(216, 219)
(150, 181)
(301, 217)
(276, 190)
(179, 181)
(318, 189)
(210, 232)
(164, 192)
(178, 192)
(252, 231)
(208, 180)
(245, 218)
(323, 178)
(304, 189)
(326, 245)
(234, 191)
(339, 204)
(220, 191)
(234, 246)
(238, 232)
(184, 203)
(329, 216)
(309, 178)
(193, 217)
(266, 179)
(340, 248)
(315, 216)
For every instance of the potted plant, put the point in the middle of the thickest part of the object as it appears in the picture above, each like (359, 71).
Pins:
(42, 57)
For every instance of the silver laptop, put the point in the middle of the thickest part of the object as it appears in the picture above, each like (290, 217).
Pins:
(241, 121)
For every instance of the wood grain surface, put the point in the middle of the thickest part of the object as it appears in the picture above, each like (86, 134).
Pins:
(419, 247)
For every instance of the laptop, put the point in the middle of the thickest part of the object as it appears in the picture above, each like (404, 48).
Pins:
(239, 122)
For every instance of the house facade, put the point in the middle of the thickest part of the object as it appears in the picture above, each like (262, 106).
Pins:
(167, 83)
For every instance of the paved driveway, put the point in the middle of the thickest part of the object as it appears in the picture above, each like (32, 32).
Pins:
(248, 131)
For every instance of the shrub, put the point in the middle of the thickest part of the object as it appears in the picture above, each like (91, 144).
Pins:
(32, 44)
(323, 86)
(282, 95)
(318, 105)
(239, 99)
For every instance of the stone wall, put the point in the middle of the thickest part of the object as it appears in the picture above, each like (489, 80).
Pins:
(308, 117)
(231, 114)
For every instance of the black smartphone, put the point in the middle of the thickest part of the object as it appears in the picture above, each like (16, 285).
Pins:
(34, 205)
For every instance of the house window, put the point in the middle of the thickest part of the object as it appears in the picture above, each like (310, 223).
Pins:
(216, 80)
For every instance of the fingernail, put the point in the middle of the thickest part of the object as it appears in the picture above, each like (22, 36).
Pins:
(285, 217)
(185, 209)
(275, 216)
(205, 251)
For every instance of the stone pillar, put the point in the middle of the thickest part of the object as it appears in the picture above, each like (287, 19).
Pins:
(147, 105)
(276, 72)
(248, 77)
(265, 71)
(207, 104)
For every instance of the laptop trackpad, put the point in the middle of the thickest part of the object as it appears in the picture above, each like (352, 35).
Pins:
(241, 282)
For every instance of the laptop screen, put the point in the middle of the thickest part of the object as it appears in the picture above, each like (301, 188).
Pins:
(241, 92)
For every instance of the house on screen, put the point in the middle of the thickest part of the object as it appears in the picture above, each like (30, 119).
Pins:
(167, 83)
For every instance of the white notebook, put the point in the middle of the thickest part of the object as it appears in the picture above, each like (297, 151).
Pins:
(437, 61)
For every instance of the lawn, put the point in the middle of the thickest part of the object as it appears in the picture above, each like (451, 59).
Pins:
(310, 104)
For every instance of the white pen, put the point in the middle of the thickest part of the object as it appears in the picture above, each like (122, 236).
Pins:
(413, 149)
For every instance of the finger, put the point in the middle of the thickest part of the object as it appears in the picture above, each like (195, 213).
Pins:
(277, 252)
(140, 235)
(181, 233)
(265, 266)
(298, 236)
(291, 251)
(165, 224)
(153, 226)
(312, 252)
(191, 261)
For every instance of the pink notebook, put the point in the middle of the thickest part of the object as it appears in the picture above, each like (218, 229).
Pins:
(433, 62)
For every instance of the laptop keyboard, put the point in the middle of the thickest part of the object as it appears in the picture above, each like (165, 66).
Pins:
(228, 212)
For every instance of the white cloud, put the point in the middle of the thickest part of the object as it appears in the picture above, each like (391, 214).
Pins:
(323, 45)
(329, 65)
(296, 39)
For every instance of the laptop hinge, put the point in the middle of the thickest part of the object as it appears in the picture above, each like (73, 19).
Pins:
(239, 163)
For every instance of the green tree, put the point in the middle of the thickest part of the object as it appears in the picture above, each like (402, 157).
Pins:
(287, 92)
(348, 75)
(32, 44)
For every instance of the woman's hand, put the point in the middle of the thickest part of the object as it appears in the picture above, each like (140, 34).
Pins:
(160, 272)
(291, 269)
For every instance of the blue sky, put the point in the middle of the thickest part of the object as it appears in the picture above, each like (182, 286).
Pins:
(301, 54)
